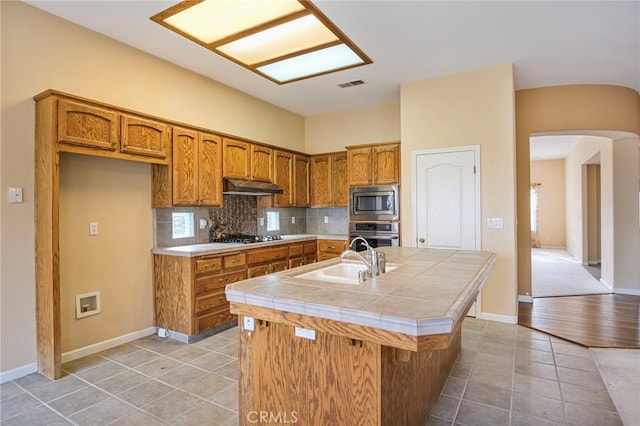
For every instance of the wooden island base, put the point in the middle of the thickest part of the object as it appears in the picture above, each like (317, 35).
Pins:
(336, 380)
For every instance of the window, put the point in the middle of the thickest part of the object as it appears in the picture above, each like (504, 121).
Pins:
(273, 221)
(182, 225)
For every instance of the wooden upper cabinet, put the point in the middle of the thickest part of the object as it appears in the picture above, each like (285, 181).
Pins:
(87, 126)
(374, 164)
(283, 177)
(301, 181)
(360, 166)
(210, 170)
(237, 159)
(339, 183)
(197, 168)
(385, 161)
(329, 186)
(144, 137)
(261, 163)
(320, 181)
(185, 167)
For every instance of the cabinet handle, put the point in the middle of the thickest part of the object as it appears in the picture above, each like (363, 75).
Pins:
(332, 247)
(221, 280)
(235, 260)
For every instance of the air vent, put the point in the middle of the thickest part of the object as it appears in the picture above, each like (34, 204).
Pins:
(351, 84)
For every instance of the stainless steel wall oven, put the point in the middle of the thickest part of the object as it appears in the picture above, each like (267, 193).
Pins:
(377, 234)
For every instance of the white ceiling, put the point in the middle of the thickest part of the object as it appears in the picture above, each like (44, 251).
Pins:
(549, 42)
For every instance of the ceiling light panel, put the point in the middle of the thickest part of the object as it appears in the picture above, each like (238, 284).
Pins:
(318, 62)
(212, 20)
(293, 36)
(282, 40)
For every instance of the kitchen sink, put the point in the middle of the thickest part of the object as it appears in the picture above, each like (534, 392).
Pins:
(342, 273)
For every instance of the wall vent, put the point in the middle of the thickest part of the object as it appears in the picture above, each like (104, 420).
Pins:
(351, 84)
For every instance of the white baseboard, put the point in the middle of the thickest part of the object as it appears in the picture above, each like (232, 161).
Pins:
(16, 373)
(629, 291)
(107, 344)
(508, 319)
(525, 298)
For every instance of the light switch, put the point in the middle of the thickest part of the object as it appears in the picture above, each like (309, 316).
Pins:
(203, 223)
(93, 228)
(495, 223)
(15, 194)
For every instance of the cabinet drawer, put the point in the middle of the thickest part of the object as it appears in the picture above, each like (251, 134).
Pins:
(213, 319)
(310, 248)
(267, 255)
(258, 271)
(207, 265)
(295, 250)
(237, 260)
(331, 246)
(295, 262)
(212, 300)
(207, 284)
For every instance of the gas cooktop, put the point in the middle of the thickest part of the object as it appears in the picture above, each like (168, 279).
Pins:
(245, 238)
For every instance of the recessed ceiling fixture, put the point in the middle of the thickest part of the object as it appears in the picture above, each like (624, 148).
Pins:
(351, 84)
(282, 40)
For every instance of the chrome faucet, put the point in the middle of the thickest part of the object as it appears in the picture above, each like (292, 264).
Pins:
(370, 261)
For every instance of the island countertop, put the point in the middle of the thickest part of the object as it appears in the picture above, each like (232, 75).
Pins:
(428, 294)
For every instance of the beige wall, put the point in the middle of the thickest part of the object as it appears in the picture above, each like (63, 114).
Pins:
(40, 51)
(551, 201)
(358, 126)
(563, 109)
(116, 194)
(593, 214)
(473, 108)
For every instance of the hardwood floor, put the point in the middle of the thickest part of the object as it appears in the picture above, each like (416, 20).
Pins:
(601, 321)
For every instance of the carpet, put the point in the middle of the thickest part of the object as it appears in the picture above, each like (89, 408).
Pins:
(554, 272)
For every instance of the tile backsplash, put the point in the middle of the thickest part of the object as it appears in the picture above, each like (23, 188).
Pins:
(240, 214)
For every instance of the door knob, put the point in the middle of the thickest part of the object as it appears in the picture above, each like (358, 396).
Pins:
(421, 240)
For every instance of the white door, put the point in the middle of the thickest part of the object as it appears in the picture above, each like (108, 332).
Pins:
(447, 199)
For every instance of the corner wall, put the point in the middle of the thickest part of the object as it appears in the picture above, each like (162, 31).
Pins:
(473, 108)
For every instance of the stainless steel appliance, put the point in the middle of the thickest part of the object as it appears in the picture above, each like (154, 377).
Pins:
(374, 203)
(376, 234)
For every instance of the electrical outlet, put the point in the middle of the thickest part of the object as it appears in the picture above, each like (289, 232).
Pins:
(261, 221)
(305, 333)
(93, 228)
(293, 220)
(248, 323)
(203, 223)
(326, 219)
(15, 194)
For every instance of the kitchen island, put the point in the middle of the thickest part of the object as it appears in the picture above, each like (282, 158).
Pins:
(375, 353)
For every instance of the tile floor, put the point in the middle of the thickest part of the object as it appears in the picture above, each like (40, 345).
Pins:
(505, 375)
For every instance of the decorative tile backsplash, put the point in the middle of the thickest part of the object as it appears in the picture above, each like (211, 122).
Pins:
(240, 215)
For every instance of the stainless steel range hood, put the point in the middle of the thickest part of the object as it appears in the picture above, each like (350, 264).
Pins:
(247, 187)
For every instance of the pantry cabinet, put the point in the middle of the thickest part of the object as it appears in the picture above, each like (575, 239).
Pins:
(197, 168)
(374, 164)
(329, 186)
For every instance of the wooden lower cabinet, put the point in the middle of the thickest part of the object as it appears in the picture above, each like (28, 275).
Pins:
(264, 261)
(189, 292)
(334, 379)
(302, 254)
(328, 249)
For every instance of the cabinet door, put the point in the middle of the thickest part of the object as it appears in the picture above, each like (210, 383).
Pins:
(386, 164)
(144, 137)
(339, 183)
(360, 166)
(300, 191)
(236, 156)
(261, 163)
(320, 184)
(210, 170)
(185, 167)
(84, 125)
(283, 177)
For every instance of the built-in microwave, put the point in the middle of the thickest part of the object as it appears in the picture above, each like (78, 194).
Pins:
(374, 203)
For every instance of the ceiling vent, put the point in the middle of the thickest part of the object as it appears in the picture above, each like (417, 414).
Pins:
(351, 84)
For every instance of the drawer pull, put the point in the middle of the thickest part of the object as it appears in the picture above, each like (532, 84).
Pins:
(332, 247)
(235, 260)
(221, 280)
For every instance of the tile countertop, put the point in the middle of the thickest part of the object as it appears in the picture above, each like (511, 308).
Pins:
(204, 249)
(425, 295)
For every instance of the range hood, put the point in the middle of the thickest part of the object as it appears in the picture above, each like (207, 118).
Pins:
(247, 187)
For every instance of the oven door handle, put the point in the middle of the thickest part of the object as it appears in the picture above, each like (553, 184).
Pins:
(376, 237)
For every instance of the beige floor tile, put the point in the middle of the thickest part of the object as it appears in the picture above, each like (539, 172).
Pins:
(137, 358)
(119, 351)
(208, 385)
(204, 413)
(538, 406)
(51, 390)
(488, 395)
(228, 398)
(101, 372)
(454, 387)
(103, 413)
(158, 366)
(582, 395)
(40, 416)
(138, 419)
(19, 403)
(181, 376)
(536, 386)
(188, 353)
(211, 361)
(9, 390)
(172, 405)
(579, 415)
(446, 407)
(576, 362)
(83, 363)
(146, 393)
(77, 401)
(229, 370)
(536, 369)
(472, 413)
(122, 382)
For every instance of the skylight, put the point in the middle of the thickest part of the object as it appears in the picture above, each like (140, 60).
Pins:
(282, 40)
